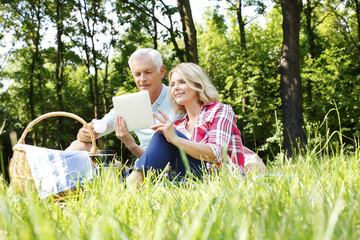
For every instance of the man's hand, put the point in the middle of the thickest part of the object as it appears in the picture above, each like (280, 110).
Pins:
(122, 132)
(84, 135)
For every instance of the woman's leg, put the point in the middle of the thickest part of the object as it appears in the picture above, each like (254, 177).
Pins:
(160, 152)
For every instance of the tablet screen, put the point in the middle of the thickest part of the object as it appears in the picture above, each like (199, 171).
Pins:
(136, 109)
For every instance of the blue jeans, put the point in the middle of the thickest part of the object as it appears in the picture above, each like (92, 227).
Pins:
(160, 152)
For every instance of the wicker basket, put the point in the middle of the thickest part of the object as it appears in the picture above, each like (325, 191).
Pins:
(19, 168)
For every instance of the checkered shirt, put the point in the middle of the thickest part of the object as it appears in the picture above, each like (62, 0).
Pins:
(216, 126)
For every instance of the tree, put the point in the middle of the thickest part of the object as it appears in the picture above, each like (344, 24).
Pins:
(333, 70)
(311, 40)
(147, 8)
(352, 36)
(58, 11)
(357, 11)
(93, 33)
(243, 52)
(28, 19)
(189, 31)
(290, 85)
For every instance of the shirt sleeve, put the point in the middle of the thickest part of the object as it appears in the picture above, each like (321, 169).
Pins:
(110, 117)
(220, 131)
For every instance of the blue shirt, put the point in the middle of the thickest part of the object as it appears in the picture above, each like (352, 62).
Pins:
(162, 103)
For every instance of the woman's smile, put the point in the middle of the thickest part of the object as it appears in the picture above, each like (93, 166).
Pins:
(181, 91)
(179, 94)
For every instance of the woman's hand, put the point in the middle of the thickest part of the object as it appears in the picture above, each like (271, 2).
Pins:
(165, 126)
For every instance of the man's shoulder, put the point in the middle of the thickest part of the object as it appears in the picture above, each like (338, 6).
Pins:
(165, 88)
(163, 98)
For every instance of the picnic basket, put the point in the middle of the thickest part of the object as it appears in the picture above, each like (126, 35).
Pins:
(19, 168)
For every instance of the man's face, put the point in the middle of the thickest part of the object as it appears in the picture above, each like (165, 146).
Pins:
(146, 75)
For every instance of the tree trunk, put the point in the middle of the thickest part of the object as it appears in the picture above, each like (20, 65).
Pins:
(86, 34)
(38, 70)
(189, 31)
(171, 30)
(59, 55)
(357, 10)
(138, 5)
(244, 71)
(105, 85)
(243, 49)
(155, 34)
(241, 24)
(311, 43)
(96, 76)
(95, 59)
(59, 70)
(290, 84)
(35, 68)
(42, 109)
(31, 88)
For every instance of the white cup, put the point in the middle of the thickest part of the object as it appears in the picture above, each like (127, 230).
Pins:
(99, 125)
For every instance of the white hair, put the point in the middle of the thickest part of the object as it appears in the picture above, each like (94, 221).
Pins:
(154, 54)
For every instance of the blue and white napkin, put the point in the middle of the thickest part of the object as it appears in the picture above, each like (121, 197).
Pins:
(56, 171)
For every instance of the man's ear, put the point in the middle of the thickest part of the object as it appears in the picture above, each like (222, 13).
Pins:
(163, 71)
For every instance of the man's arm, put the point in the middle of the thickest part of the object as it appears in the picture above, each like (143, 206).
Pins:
(135, 149)
(123, 134)
(108, 130)
(84, 135)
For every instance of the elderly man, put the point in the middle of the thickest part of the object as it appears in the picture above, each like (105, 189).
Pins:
(148, 70)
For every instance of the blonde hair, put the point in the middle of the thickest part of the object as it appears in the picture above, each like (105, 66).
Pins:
(193, 73)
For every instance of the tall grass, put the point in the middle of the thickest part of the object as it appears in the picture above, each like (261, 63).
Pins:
(315, 195)
(309, 198)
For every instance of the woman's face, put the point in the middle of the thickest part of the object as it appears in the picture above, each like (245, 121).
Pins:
(181, 91)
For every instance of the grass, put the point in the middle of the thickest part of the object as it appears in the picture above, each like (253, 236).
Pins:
(310, 197)
(315, 195)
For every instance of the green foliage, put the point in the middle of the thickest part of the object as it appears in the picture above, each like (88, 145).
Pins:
(336, 82)
(333, 73)
(246, 78)
(250, 75)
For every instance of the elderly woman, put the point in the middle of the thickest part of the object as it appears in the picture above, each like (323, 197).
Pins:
(207, 133)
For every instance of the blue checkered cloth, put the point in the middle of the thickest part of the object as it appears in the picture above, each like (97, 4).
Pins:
(56, 171)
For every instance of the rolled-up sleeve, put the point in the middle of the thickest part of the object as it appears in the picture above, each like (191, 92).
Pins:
(110, 117)
(220, 132)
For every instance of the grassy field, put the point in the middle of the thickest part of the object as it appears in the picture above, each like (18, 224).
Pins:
(313, 196)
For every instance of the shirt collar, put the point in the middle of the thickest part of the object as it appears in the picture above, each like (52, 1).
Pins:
(207, 104)
(186, 118)
(162, 96)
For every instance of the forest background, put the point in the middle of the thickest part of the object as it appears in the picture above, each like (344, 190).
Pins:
(283, 76)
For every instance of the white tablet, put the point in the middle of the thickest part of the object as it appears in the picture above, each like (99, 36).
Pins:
(136, 109)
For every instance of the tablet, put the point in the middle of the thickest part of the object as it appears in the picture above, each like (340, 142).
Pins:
(136, 109)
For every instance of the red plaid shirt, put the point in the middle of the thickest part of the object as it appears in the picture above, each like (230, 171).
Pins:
(216, 126)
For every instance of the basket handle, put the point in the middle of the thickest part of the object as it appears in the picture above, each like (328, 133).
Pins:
(62, 114)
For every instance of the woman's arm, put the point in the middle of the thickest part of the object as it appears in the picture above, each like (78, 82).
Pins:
(196, 150)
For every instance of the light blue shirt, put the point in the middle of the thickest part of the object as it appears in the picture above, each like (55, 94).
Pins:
(162, 103)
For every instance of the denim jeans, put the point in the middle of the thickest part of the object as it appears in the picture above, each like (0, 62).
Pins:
(160, 152)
